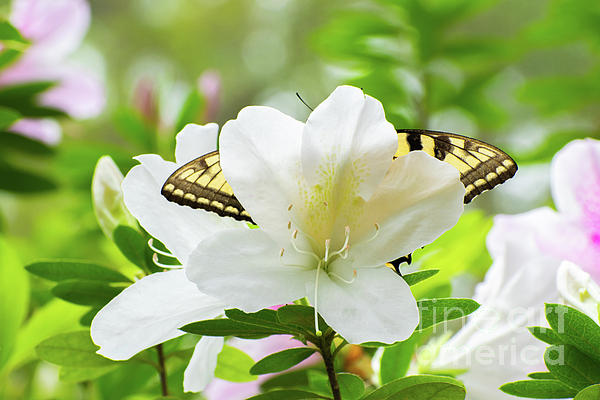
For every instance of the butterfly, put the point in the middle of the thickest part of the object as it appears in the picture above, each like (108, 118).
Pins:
(200, 183)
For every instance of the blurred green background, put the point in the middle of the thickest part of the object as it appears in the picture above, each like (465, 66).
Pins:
(523, 75)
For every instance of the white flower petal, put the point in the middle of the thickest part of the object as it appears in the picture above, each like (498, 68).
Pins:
(150, 312)
(201, 369)
(419, 199)
(180, 228)
(576, 176)
(243, 268)
(348, 141)
(260, 153)
(377, 306)
(577, 289)
(194, 141)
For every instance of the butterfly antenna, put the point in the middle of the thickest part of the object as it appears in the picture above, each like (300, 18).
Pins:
(303, 102)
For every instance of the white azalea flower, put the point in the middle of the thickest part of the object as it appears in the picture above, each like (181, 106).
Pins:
(495, 345)
(150, 311)
(332, 208)
(577, 289)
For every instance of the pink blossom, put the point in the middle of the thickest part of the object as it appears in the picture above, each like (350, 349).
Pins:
(56, 29)
(257, 349)
(574, 230)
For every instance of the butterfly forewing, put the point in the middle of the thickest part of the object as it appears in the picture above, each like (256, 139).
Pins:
(200, 184)
(481, 165)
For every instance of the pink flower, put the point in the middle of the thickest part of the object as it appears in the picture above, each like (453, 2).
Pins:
(56, 29)
(257, 349)
(574, 230)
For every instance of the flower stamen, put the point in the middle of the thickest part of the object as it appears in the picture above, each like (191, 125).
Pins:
(310, 253)
(344, 280)
(155, 250)
(375, 234)
(316, 305)
(345, 246)
(327, 244)
(165, 266)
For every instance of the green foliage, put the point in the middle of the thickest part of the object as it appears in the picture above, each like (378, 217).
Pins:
(435, 311)
(132, 245)
(571, 366)
(544, 334)
(420, 387)
(286, 394)
(14, 299)
(589, 393)
(395, 359)
(72, 349)
(539, 389)
(60, 270)
(282, 360)
(575, 328)
(416, 277)
(234, 365)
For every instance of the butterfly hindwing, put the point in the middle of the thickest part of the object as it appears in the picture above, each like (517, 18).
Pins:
(481, 165)
(200, 184)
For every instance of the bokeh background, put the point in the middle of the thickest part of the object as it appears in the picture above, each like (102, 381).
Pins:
(524, 76)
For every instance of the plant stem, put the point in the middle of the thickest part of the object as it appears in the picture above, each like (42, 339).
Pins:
(328, 359)
(162, 372)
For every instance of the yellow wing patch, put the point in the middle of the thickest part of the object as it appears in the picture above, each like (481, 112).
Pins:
(481, 165)
(201, 184)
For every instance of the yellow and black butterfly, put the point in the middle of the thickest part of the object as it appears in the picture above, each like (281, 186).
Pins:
(201, 184)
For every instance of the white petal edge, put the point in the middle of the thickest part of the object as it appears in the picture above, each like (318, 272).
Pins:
(377, 306)
(201, 369)
(243, 268)
(419, 199)
(150, 312)
(577, 289)
(348, 135)
(194, 141)
(260, 158)
(180, 228)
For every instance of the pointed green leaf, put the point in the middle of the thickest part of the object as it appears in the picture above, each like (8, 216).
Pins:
(234, 365)
(541, 375)
(265, 318)
(435, 311)
(575, 328)
(132, 245)
(9, 32)
(420, 387)
(287, 395)
(571, 366)
(72, 349)
(303, 317)
(546, 335)
(395, 359)
(539, 389)
(82, 374)
(61, 270)
(87, 293)
(416, 277)
(8, 117)
(227, 327)
(282, 360)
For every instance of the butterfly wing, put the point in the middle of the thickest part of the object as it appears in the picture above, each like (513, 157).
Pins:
(200, 184)
(481, 165)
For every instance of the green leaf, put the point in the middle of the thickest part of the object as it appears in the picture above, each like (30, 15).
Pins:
(87, 293)
(282, 360)
(589, 393)
(571, 366)
(420, 387)
(546, 335)
(8, 117)
(287, 394)
(72, 349)
(395, 359)
(541, 375)
(416, 277)
(264, 318)
(234, 365)
(435, 311)
(303, 317)
(61, 270)
(318, 382)
(14, 299)
(132, 245)
(227, 327)
(81, 374)
(21, 181)
(23, 98)
(575, 328)
(539, 389)
(11, 142)
(9, 32)
(351, 386)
